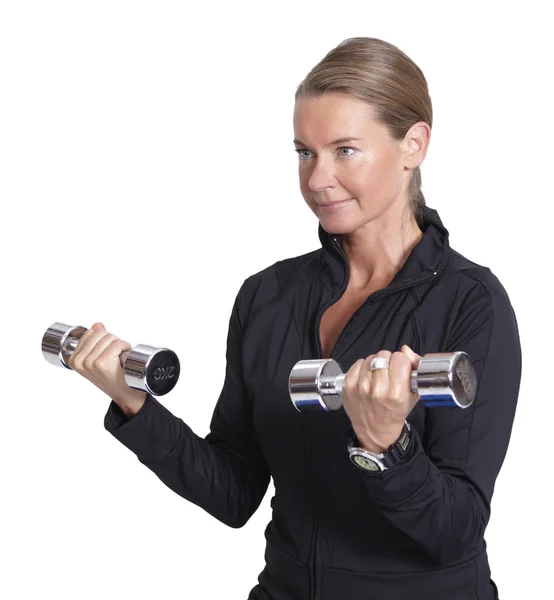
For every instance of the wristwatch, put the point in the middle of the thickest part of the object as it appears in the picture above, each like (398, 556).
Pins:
(374, 463)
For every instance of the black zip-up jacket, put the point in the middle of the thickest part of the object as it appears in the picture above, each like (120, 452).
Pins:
(337, 533)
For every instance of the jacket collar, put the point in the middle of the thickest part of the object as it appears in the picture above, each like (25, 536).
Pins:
(428, 256)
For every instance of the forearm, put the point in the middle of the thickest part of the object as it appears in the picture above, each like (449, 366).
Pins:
(442, 512)
(224, 481)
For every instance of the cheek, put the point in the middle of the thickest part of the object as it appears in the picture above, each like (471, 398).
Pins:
(360, 178)
(375, 176)
(304, 179)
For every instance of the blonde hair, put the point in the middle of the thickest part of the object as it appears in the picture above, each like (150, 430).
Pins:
(380, 74)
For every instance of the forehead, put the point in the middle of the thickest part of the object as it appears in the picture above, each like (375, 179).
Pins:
(330, 116)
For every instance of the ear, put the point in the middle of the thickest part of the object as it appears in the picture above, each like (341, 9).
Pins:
(415, 144)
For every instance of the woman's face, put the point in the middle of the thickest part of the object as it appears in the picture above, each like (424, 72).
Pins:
(369, 171)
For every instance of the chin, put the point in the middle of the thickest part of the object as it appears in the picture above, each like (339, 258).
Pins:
(335, 228)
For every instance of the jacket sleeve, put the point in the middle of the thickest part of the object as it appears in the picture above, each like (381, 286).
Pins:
(224, 473)
(440, 493)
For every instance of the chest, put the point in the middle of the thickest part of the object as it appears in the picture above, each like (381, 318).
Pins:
(336, 317)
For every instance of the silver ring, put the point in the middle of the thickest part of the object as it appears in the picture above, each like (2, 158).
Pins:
(379, 362)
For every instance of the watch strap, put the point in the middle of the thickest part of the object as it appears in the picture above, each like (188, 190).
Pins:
(394, 453)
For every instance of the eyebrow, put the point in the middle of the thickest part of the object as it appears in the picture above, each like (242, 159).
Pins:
(339, 141)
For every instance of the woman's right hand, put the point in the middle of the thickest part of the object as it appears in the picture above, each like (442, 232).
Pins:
(97, 358)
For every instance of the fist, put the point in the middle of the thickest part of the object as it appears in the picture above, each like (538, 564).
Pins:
(378, 402)
(97, 358)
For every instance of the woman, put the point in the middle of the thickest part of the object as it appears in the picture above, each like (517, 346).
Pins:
(384, 285)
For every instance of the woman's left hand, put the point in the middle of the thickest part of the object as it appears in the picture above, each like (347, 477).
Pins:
(379, 401)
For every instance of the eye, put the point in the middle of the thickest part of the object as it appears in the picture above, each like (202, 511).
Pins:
(345, 148)
(299, 151)
(302, 156)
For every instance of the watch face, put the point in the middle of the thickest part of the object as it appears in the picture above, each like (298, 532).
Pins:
(365, 463)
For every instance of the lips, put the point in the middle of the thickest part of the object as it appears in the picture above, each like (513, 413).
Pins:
(334, 207)
(334, 203)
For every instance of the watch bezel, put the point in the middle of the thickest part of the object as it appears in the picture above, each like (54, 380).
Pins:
(376, 459)
(383, 460)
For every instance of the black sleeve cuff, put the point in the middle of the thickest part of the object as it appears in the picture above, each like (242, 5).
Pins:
(406, 478)
(151, 434)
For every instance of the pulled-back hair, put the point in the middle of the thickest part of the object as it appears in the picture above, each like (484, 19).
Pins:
(381, 75)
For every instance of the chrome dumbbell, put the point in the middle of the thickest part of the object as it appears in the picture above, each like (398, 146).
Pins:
(441, 379)
(152, 370)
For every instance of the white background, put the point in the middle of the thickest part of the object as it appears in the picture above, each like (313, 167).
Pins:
(147, 168)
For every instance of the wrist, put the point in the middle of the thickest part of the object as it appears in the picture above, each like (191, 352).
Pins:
(381, 443)
(131, 402)
(379, 459)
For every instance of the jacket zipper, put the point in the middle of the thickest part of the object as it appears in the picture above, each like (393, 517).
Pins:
(335, 297)
(314, 594)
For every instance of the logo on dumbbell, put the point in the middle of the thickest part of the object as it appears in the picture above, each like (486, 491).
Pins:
(162, 373)
(464, 376)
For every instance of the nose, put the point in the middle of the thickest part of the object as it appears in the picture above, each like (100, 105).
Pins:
(322, 175)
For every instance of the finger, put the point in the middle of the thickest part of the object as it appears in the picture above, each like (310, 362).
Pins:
(86, 344)
(112, 352)
(80, 344)
(400, 374)
(99, 348)
(377, 381)
(88, 333)
(353, 374)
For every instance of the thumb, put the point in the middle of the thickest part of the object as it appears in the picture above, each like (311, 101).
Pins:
(413, 356)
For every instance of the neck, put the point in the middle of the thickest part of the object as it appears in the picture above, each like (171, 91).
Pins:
(377, 250)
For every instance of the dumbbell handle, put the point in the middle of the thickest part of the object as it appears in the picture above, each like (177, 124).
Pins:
(334, 385)
(71, 345)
